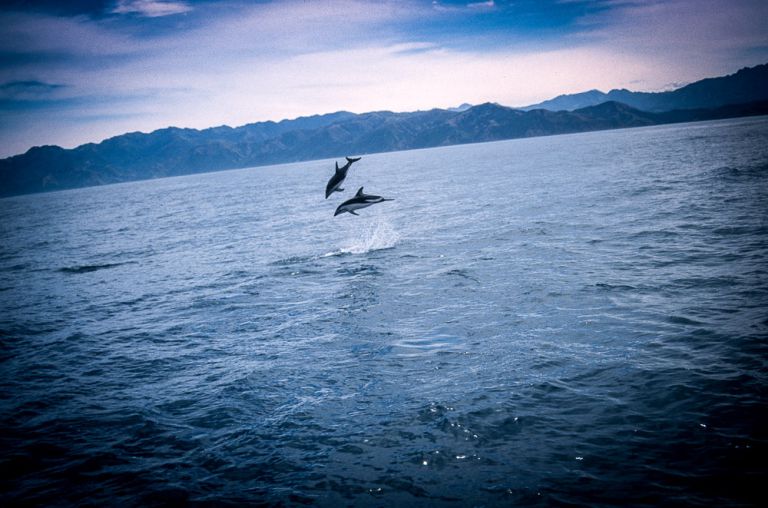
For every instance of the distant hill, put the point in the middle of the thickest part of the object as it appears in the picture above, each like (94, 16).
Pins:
(747, 85)
(175, 151)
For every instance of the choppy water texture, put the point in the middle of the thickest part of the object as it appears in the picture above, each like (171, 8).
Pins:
(570, 320)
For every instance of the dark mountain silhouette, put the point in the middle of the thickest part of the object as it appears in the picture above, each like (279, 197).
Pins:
(174, 151)
(747, 85)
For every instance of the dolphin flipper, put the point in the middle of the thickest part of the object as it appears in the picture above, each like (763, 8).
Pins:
(353, 212)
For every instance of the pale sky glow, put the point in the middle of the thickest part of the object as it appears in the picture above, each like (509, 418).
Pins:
(84, 71)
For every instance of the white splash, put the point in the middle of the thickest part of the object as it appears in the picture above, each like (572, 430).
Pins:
(375, 235)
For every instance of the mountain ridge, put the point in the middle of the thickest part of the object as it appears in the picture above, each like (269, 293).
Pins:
(746, 85)
(175, 151)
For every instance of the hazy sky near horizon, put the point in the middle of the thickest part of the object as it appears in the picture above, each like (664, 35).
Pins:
(81, 71)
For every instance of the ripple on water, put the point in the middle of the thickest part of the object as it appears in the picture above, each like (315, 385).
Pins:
(588, 333)
(429, 344)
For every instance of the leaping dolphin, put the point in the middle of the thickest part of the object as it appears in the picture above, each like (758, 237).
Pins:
(361, 200)
(338, 177)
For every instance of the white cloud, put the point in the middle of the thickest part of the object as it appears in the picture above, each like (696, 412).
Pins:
(486, 5)
(365, 79)
(285, 59)
(490, 4)
(150, 8)
(691, 39)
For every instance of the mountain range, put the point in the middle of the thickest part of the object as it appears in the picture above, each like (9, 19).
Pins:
(177, 151)
(747, 85)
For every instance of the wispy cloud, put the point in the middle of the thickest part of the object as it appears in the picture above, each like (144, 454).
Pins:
(71, 39)
(27, 89)
(443, 7)
(139, 70)
(693, 38)
(150, 8)
(489, 4)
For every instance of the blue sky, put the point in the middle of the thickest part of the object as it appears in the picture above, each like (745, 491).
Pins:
(82, 71)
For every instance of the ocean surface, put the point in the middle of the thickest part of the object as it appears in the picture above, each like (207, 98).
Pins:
(576, 320)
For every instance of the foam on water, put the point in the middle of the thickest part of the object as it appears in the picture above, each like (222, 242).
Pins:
(376, 234)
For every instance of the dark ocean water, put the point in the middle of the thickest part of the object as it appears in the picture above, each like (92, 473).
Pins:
(574, 320)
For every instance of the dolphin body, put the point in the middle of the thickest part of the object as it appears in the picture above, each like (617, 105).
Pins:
(338, 177)
(361, 200)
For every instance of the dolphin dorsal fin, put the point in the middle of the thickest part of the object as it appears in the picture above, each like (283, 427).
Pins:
(359, 192)
(337, 166)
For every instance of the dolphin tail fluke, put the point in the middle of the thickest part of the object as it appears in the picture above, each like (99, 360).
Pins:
(353, 159)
